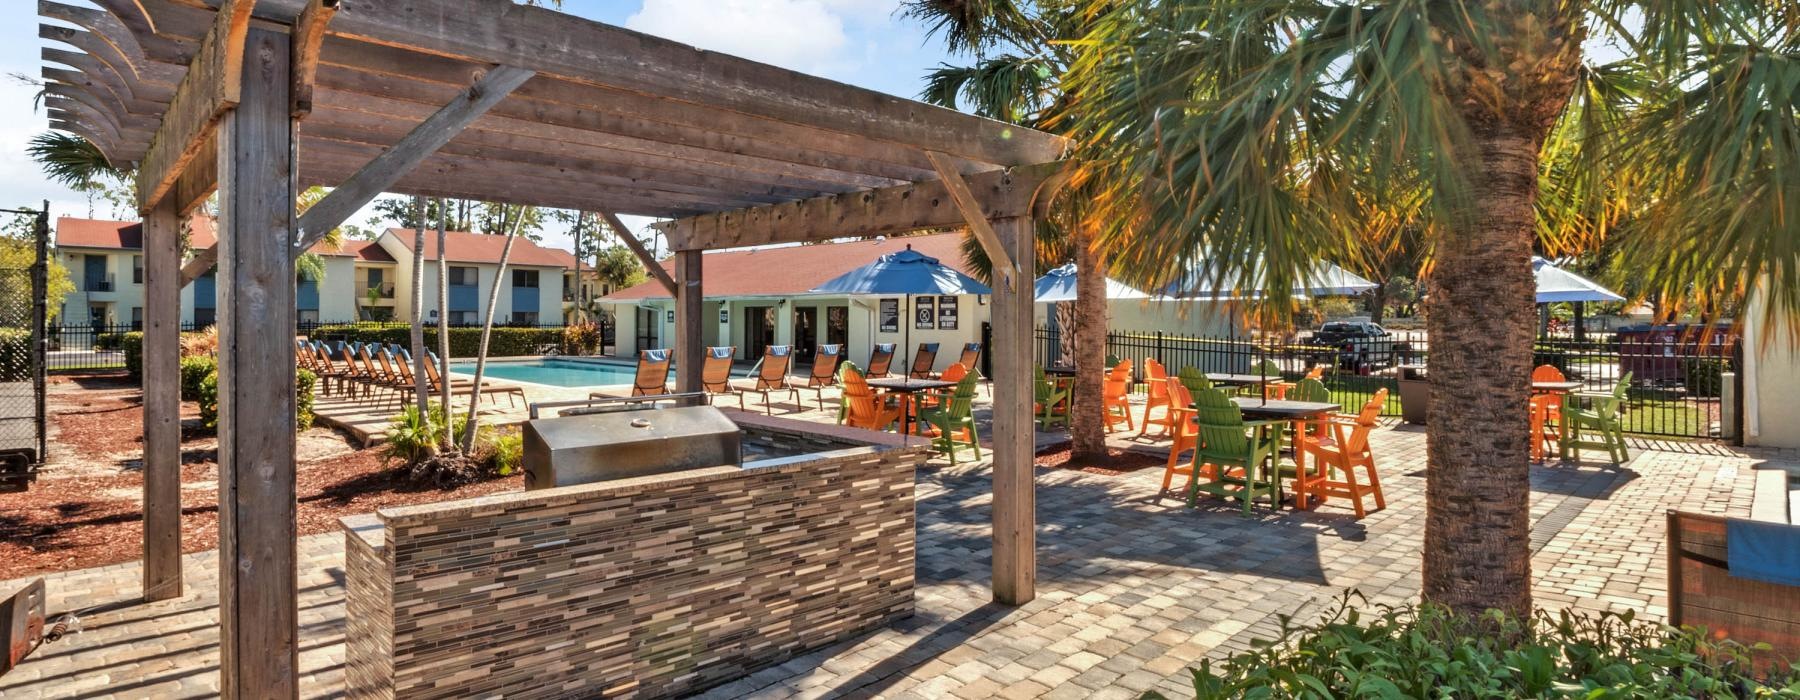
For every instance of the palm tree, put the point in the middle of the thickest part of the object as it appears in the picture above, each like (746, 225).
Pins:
(513, 225)
(1249, 127)
(1019, 53)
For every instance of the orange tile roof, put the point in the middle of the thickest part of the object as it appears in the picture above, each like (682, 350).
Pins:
(129, 235)
(792, 270)
(483, 248)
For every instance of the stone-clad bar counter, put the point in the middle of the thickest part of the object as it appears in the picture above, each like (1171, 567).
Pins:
(647, 587)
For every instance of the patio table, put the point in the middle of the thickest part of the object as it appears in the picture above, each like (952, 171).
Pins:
(905, 387)
(1281, 413)
(1060, 370)
(1555, 387)
(1238, 379)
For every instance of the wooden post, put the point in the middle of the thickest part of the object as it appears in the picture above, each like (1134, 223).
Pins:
(1015, 497)
(257, 589)
(690, 350)
(162, 402)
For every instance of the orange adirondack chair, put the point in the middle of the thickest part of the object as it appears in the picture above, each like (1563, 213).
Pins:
(1546, 417)
(867, 410)
(1547, 373)
(1114, 404)
(1340, 457)
(1186, 432)
(954, 373)
(1158, 387)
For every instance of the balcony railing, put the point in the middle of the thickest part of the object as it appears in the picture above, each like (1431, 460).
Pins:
(382, 291)
(97, 285)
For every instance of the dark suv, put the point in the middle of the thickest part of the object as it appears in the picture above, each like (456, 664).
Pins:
(1360, 346)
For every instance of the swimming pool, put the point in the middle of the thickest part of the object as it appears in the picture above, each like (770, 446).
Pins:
(554, 371)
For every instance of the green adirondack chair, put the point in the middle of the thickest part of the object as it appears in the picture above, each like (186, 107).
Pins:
(1311, 390)
(1049, 396)
(843, 399)
(953, 415)
(1602, 416)
(1266, 368)
(1227, 442)
(1194, 379)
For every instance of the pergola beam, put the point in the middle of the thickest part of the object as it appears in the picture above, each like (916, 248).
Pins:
(212, 86)
(1006, 270)
(643, 254)
(309, 34)
(162, 403)
(1007, 193)
(387, 168)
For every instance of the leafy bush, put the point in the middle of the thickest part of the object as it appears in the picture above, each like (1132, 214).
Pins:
(194, 371)
(133, 345)
(505, 452)
(1703, 376)
(208, 399)
(304, 380)
(111, 341)
(1429, 652)
(207, 396)
(15, 354)
(464, 342)
(581, 339)
(201, 343)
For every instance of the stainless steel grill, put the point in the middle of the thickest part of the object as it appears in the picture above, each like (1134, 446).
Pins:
(624, 441)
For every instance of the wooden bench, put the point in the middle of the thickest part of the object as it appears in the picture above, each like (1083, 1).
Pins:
(1703, 593)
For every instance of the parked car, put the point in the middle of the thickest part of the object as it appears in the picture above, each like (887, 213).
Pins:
(1360, 346)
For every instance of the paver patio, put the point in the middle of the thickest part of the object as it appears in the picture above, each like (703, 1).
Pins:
(1132, 590)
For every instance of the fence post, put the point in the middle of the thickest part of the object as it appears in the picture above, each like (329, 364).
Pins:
(1159, 350)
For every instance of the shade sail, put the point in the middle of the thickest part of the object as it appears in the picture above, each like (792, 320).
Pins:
(1058, 286)
(1555, 284)
(1326, 280)
(905, 272)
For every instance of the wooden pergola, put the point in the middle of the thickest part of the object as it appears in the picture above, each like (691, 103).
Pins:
(485, 99)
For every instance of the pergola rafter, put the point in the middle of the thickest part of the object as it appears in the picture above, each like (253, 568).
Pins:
(489, 100)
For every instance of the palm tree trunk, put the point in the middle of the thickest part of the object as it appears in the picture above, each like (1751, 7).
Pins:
(487, 329)
(443, 330)
(579, 312)
(421, 395)
(1477, 519)
(1378, 300)
(1087, 425)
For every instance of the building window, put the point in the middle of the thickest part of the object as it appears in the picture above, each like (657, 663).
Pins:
(524, 318)
(463, 318)
(203, 317)
(525, 278)
(464, 277)
(137, 318)
(308, 315)
(137, 269)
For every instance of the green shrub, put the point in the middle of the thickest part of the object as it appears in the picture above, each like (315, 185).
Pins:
(412, 437)
(112, 341)
(1703, 376)
(208, 398)
(1429, 652)
(505, 452)
(207, 395)
(304, 380)
(15, 354)
(581, 339)
(133, 345)
(193, 371)
(464, 342)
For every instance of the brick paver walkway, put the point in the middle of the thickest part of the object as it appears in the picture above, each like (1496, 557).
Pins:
(1132, 589)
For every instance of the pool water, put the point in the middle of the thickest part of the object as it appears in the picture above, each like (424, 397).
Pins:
(554, 371)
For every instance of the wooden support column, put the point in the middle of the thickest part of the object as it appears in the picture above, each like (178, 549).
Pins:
(257, 585)
(162, 401)
(690, 349)
(1015, 497)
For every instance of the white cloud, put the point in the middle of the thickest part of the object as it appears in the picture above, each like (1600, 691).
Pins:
(804, 35)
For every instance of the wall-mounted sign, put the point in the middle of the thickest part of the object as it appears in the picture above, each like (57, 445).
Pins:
(724, 314)
(890, 315)
(671, 315)
(924, 315)
(946, 315)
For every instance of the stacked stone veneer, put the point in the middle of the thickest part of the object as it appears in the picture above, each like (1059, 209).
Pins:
(647, 587)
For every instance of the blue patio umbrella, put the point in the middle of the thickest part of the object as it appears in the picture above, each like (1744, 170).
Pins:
(1324, 280)
(1555, 284)
(1058, 286)
(905, 273)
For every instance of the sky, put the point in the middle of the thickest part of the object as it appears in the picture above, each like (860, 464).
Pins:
(860, 42)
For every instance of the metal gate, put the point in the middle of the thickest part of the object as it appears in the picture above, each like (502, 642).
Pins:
(23, 312)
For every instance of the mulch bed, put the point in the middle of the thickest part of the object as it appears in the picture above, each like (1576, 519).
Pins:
(85, 508)
(1116, 462)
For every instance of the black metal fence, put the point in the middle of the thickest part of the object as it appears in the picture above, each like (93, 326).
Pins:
(1677, 380)
(85, 346)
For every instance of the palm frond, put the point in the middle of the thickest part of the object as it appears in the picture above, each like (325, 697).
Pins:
(71, 160)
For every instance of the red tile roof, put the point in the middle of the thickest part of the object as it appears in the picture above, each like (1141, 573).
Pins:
(129, 235)
(796, 269)
(482, 248)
